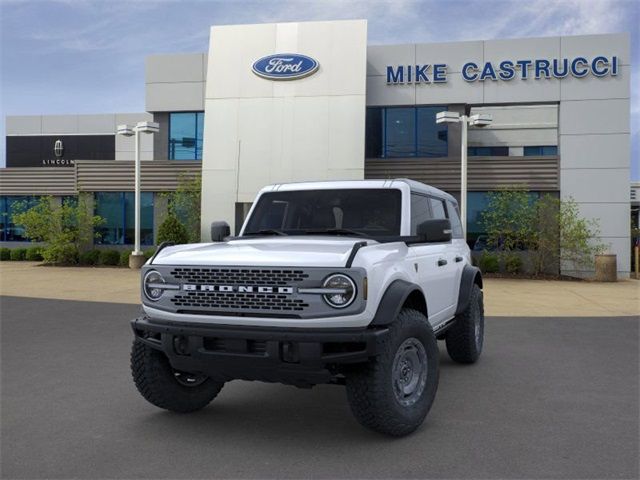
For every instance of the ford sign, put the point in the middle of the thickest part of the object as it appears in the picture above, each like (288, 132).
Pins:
(285, 66)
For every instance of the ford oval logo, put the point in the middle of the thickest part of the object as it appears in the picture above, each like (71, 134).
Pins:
(285, 66)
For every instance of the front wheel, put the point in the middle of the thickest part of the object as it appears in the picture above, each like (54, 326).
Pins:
(394, 393)
(166, 387)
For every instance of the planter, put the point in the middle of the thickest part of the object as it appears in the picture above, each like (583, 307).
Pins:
(606, 268)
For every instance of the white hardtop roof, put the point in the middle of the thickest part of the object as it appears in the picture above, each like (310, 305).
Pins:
(414, 186)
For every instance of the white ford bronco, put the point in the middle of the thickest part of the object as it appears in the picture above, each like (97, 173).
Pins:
(345, 282)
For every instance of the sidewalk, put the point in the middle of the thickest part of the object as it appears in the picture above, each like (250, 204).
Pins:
(503, 297)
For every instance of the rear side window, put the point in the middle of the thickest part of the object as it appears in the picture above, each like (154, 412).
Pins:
(437, 207)
(420, 211)
(454, 216)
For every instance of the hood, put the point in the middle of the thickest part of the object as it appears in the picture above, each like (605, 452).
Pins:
(310, 251)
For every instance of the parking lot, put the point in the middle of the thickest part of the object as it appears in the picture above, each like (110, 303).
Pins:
(550, 398)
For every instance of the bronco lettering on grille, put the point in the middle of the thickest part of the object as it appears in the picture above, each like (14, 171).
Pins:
(237, 289)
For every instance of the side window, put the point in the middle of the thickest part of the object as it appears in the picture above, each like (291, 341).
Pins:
(420, 211)
(454, 216)
(437, 207)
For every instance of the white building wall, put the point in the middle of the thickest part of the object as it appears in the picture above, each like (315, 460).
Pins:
(260, 131)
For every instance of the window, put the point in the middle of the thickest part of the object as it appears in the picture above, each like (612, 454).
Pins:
(117, 209)
(185, 135)
(542, 151)
(437, 208)
(488, 151)
(454, 216)
(373, 212)
(420, 211)
(9, 205)
(397, 132)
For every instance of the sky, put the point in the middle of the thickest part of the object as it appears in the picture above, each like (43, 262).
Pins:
(87, 56)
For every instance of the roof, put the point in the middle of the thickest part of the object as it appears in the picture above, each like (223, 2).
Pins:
(414, 186)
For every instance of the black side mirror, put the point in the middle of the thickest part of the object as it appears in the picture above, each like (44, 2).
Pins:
(435, 230)
(219, 231)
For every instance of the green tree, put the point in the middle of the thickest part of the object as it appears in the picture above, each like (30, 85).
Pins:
(508, 219)
(171, 230)
(184, 203)
(64, 228)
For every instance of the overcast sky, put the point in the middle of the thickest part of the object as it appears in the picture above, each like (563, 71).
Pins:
(82, 56)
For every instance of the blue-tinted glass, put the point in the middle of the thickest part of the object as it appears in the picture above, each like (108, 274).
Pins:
(146, 218)
(373, 133)
(432, 137)
(532, 151)
(550, 150)
(199, 134)
(117, 209)
(185, 135)
(12, 231)
(400, 132)
(109, 206)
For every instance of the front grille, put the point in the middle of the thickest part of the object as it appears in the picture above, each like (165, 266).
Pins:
(239, 301)
(248, 276)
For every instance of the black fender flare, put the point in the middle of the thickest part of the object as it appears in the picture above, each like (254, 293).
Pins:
(470, 275)
(392, 301)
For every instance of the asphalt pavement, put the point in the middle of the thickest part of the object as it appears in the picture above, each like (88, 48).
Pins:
(550, 398)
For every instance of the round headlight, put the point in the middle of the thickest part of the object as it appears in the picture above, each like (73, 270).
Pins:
(345, 290)
(152, 290)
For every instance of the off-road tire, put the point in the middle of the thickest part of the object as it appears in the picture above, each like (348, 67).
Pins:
(462, 344)
(155, 380)
(370, 387)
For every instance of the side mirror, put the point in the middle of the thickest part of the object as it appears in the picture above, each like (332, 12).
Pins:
(219, 231)
(435, 230)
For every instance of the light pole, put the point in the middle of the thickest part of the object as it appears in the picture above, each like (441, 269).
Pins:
(478, 120)
(136, 259)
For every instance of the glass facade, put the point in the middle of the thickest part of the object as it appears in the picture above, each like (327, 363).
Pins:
(400, 132)
(117, 209)
(185, 135)
(9, 205)
(551, 150)
(488, 151)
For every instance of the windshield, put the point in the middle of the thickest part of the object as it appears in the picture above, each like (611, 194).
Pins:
(359, 212)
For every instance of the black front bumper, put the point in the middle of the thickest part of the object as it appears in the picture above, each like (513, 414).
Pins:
(300, 357)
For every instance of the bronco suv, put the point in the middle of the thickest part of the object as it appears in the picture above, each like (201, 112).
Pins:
(346, 282)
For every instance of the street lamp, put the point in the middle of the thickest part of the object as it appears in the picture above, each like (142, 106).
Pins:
(136, 259)
(477, 120)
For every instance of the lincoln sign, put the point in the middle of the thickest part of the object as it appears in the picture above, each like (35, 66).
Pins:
(578, 67)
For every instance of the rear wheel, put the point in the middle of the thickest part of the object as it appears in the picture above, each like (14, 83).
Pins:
(394, 392)
(167, 388)
(465, 338)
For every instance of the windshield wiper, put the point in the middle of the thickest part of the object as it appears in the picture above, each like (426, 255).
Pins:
(267, 231)
(337, 231)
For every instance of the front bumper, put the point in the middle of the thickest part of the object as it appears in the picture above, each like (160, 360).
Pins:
(300, 357)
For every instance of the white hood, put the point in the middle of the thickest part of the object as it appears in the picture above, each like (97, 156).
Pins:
(310, 251)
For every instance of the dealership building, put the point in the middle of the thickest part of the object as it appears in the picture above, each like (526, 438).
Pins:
(284, 102)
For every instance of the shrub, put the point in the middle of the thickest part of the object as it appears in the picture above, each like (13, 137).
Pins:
(90, 257)
(171, 230)
(512, 263)
(184, 203)
(5, 254)
(61, 254)
(63, 228)
(124, 258)
(489, 262)
(33, 254)
(109, 257)
(18, 254)
(149, 252)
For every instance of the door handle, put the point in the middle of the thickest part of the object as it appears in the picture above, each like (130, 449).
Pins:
(442, 262)
(459, 259)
